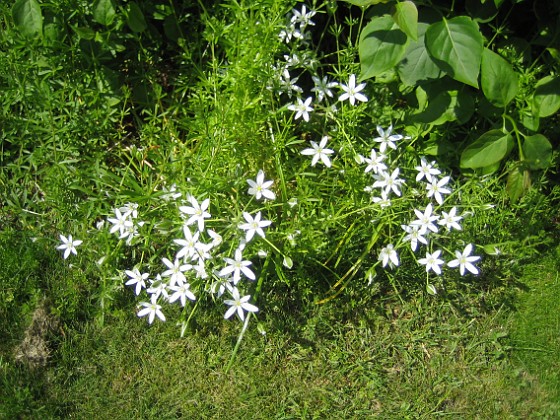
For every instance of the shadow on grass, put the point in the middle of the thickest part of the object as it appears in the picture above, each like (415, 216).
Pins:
(365, 353)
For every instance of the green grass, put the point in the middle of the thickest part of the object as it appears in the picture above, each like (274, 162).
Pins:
(425, 358)
(90, 124)
(535, 337)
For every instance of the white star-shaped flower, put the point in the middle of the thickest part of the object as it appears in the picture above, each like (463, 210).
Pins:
(352, 92)
(425, 220)
(254, 225)
(432, 262)
(189, 244)
(387, 139)
(175, 271)
(449, 220)
(415, 234)
(426, 170)
(121, 223)
(239, 304)
(137, 279)
(237, 266)
(158, 288)
(303, 17)
(182, 293)
(319, 151)
(464, 260)
(375, 162)
(388, 255)
(436, 189)
(69, 245)
(288, 85)
(389, 181)
(130, 209)
(197, 212)
(322, 88)
(151, 309)
(261, 188)
(302, 109)
(383, 201)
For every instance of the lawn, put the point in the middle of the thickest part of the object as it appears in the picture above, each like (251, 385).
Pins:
(262, 210)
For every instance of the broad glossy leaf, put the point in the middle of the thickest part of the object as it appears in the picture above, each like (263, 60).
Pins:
(417, 65)
(456, 47)
(518, 183)
(135, 19)
(499, 81)
(487, 110)
(555, 53)
(487, 170)
(28, 18)
(52, 33)
(104, 12)
(546, 100)
(84, 33)
(406, 16)
(537, 151)
(444, 106)
(382, 46)
(487, 150)
(171, 28)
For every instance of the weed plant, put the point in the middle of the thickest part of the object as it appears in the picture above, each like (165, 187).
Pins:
(180, 214)
(342, 219)
(243, 172)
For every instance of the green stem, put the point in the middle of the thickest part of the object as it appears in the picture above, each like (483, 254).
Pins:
(239, 339)
(186, 323)
(246, 323)
(274, 247)
(518, 138)
(278, 165)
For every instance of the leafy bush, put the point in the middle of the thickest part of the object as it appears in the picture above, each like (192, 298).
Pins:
(453, 61)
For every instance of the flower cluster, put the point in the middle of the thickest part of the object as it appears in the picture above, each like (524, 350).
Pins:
(296, 29)
(193, 258)
(427, 225)
(287, 72)
(197, 264)
(196, 259)
(388, 179)
(125, 223)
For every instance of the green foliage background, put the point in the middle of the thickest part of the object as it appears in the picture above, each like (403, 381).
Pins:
(108, 101)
